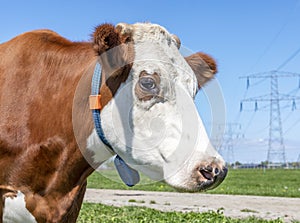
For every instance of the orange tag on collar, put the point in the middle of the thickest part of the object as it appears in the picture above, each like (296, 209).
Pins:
(95, 102)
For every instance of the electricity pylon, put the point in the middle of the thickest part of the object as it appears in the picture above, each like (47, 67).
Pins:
(225, 140)
(276, 147)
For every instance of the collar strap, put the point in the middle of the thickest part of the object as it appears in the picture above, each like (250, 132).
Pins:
(129, 176)
(95, 104)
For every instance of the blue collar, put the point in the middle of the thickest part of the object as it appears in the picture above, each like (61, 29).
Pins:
(129, 176)
(96, 97)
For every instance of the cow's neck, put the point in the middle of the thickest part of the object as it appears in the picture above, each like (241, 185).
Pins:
(87, 153)
(39, 151)
(57, 186)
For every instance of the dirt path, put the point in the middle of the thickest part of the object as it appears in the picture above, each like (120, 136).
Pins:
(233, 205)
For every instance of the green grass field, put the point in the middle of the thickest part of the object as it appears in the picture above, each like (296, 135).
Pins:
(278, 182)
(97, 213)
(270, 182)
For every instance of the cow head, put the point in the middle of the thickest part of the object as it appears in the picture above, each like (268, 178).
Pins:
(149, 117)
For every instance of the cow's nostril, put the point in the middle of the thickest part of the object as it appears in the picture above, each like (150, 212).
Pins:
(217, 171)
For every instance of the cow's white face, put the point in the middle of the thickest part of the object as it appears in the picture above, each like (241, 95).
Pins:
(152, 123)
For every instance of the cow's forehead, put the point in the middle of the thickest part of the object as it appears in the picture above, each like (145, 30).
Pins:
(149, 32)
(156, 51)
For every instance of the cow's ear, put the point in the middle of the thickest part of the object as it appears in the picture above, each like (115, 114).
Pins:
(204, 67)
(105, 37)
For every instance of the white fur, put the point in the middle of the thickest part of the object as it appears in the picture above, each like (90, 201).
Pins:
(15, 210)
(165, 139)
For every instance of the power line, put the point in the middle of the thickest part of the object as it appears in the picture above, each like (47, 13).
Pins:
(292, 126)
(268, 47)
(288, 59)
(249, 122)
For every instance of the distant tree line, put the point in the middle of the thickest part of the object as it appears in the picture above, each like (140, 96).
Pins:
(263, 164)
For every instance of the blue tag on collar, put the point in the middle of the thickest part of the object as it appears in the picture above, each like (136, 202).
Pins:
(129, 176)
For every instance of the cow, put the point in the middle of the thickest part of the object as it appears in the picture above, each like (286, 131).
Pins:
(49, 140)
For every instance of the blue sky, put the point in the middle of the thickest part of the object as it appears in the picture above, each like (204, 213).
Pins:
(243, 36)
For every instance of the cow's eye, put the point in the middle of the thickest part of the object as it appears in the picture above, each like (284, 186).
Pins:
(148, 86)
(147, 83)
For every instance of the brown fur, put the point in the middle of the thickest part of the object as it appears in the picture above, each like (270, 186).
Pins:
(39, 72)
(203, 66)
